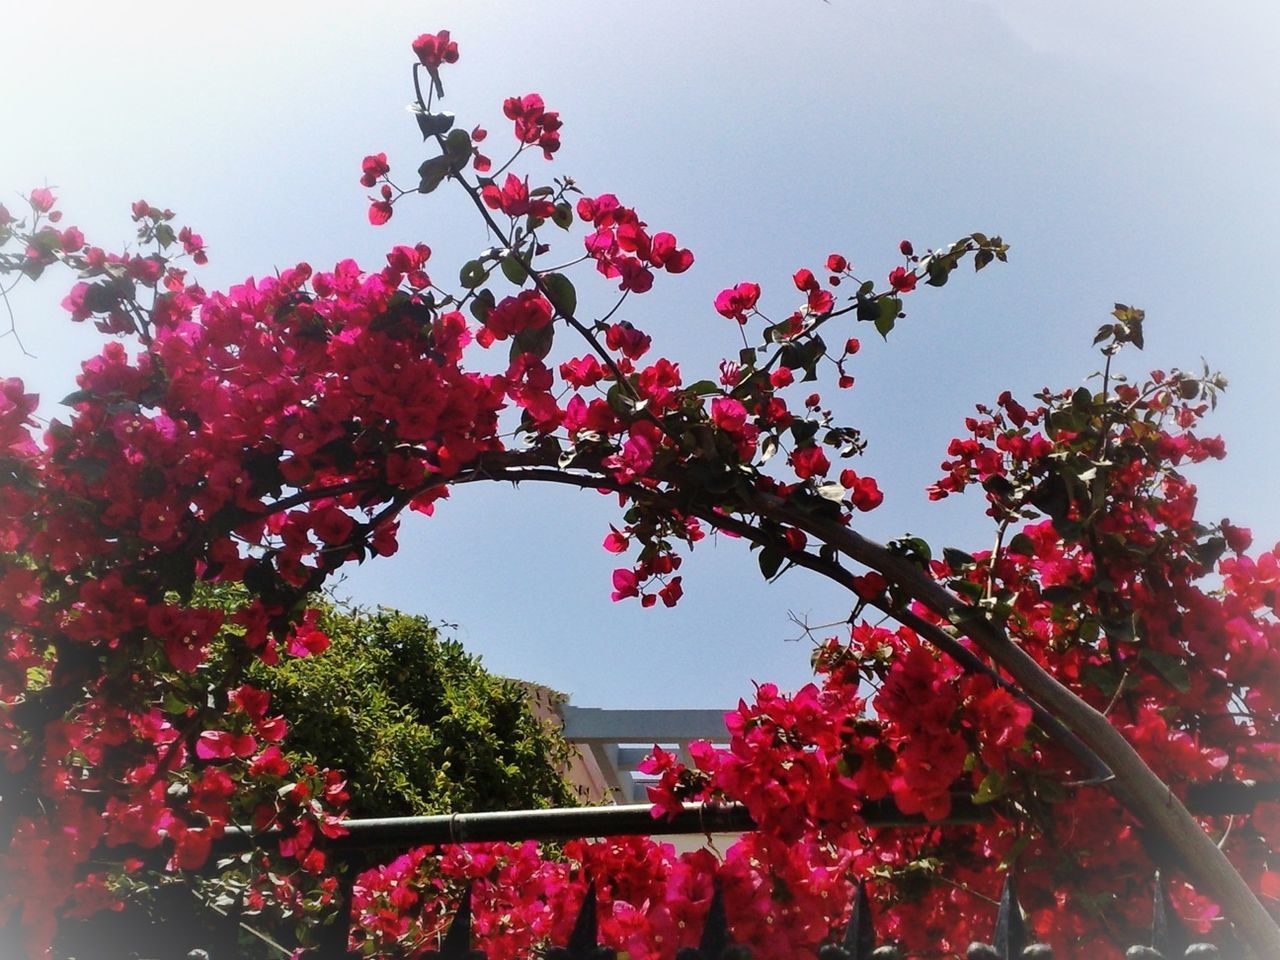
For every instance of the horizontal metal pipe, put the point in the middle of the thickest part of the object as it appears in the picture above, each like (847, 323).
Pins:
(623, 820)
(636, 819)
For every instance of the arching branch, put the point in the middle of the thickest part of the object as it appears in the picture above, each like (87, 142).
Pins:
(1072, 722)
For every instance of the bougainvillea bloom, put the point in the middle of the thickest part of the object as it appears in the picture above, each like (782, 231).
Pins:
(435, 49)
(736, 302)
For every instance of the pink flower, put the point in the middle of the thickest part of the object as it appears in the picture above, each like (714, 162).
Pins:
(664, 253)
(625, 584)
(533, 122)
(805, 281)
(810, 462)
(728, 415)
(307, 637)
(72, 240)
(434, 49)
(223, 745)
(736, 302)
(42, 199)
(633, 460)
(374, 167)
(902, 280)
(379, 212)
(622, 336)
(863, 491)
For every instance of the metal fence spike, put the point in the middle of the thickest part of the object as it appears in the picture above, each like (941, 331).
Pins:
(457, 942)
(1202, 951)
(583, 941)
(715, 931)
(1011, 931)
(1167, 933)
(859, 936)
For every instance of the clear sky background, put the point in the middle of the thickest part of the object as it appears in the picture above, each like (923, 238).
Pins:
(1128, 152)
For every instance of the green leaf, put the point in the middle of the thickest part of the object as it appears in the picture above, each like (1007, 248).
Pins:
(432, 173)
(887, 315)
(804, 431)
(768, 447)
(561, 292)
(939, 269)
(914, 548)
(1022, 545)
(620, 400)
(513, 269)
(1210, 552)
(1060, 594)
(563, 215)
(770, 562)
(433, 124)
(957, 559)
(1015, 850)
(165, 235)
(89, 469)
(1119, 628)
(472, 274)
(703, 388)
(484, 302)
(1172, 669)
(991, 788)
(457, 147)
(538, 342)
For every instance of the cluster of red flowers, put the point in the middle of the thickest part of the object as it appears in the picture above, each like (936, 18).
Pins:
(534, 124)
(435, 49)
(622, 247)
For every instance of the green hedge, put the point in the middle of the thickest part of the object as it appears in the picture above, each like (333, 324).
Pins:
(417, 724)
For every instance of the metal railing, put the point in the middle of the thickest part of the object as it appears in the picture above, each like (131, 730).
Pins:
(215, 934)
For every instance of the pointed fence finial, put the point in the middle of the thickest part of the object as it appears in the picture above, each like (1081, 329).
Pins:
(715, 932)
(1167, 932)
(584, 939)
(859, 936)
(1011, 931)
(457, 942)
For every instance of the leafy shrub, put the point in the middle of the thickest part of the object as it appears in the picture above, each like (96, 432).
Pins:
(416, 723)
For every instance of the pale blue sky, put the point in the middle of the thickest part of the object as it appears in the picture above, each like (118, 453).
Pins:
(1126, 151)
